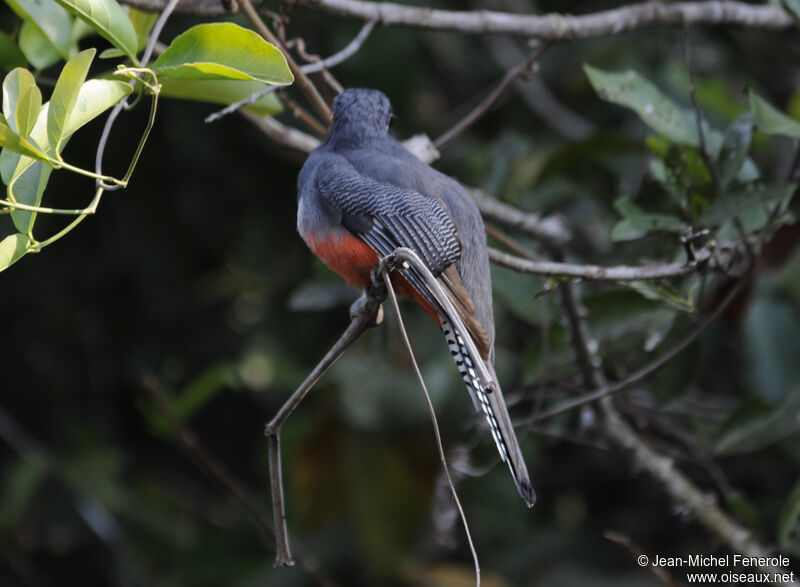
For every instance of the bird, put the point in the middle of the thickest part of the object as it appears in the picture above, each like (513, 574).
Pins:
(361, 196)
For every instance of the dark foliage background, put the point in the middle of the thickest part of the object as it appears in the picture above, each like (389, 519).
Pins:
(195, 281)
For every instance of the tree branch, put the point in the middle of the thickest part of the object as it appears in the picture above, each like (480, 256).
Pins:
(558, 27)
(306, 86)
(598, 272)
(546, 27)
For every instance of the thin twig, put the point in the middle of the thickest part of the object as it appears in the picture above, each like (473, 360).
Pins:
(306, 86)
(302, 114)
(364, 314)
(217, 472)
(522, 68)
(642, 373)
(698, 116)
(639, 553)
(332, 61)
(439, 445)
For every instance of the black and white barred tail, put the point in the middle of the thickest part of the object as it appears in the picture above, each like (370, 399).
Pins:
(490, 401)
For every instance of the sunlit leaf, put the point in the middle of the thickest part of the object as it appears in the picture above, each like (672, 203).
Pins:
(36, 47)
(94, 98)
(13, 142)
(11, 249)
(143, 22)
(65, 96)
(22, 101)
(10, 54)
(771, 120)
(221, 92)
(108, 19)
(50, 19)
(223, 51)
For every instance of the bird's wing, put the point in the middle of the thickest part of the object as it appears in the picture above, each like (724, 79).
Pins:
(386, 217)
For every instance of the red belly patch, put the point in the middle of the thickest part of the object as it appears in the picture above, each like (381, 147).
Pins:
(354, 260)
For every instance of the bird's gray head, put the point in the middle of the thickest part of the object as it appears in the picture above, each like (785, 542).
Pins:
(359, 113)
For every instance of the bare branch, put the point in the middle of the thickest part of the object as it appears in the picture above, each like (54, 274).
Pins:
(306, 86)
(550, 231)
(546, 27)
(598, 272)
(365, 313)
(636, 550)
(557, 27)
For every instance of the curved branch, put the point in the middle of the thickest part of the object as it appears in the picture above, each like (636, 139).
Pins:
(558, 27)
(548, 27)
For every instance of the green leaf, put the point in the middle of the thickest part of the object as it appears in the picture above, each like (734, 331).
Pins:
(771, 347)
(223, 51)
(654, 108)
(143, 22)
(108, 19)
(22, 101)
(636, 223)
(95, 97)
(50, 19)
(11, 249)
(65, 96)
(10, 54)
(733, 154)
(12, 141)
(662, 292)
(758, 424)
(771, 120)
(36, 47)
(789, 522)
(221, 92)
(687, 179)
(752, 205)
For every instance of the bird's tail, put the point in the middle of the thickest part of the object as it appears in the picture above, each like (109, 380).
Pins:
(489, 399)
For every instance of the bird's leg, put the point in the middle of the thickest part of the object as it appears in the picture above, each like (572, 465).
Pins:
(365, 313)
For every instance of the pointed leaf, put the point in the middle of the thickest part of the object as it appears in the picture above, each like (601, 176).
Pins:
(771, 120)
(50, 19)
(65, 95)
(751, 204)
(734, 150)
(95, 97)
(223, 51)
(11, 249)
(758, 424)
(10, 54)
(108, 19)
(221, 92)
(22, 101)
(633, 91)
(36, 47)
(12, 141)
(636, 222)
(143, 22)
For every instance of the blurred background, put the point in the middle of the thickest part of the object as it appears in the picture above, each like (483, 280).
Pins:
(193, 282)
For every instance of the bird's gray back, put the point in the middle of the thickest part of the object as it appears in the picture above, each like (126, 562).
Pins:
(388, 162)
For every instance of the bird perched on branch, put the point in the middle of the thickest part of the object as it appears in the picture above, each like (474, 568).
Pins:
(361, 196)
